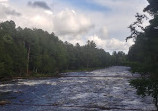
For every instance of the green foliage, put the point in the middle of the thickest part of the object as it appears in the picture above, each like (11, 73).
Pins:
(147, 87)
(28, 52)
(143, 55)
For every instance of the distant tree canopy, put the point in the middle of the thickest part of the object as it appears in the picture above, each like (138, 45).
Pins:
(26, 51)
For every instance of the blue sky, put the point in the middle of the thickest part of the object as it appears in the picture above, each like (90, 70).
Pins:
(76, 21)
(85, 5)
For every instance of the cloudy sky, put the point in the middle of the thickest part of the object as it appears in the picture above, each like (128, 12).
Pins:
(76, 21)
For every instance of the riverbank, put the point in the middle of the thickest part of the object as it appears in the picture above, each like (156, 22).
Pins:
(48, 75)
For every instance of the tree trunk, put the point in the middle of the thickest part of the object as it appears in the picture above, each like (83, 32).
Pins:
(28, 61)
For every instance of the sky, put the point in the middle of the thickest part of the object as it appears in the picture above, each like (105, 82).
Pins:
(77, 21)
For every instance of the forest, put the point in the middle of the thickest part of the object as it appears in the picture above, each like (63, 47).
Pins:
(27, 52)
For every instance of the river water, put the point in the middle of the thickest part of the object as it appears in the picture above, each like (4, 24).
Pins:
(100, 90)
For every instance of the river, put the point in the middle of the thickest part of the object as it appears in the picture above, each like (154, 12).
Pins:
(100, 90)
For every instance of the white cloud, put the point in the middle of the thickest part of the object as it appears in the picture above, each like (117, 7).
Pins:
(36, 18)
(3, 0)
(68, 22)
(2, 11)
(119, 16)
(7, 11)
(103, 32)
(111, 44)
(27, 16)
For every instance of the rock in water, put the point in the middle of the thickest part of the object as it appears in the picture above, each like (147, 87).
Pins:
(4, 102)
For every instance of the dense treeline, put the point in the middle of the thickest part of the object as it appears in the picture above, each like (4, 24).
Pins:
(27, 51)
(143, 55)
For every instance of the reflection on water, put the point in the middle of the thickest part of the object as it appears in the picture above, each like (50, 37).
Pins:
(76, 93)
